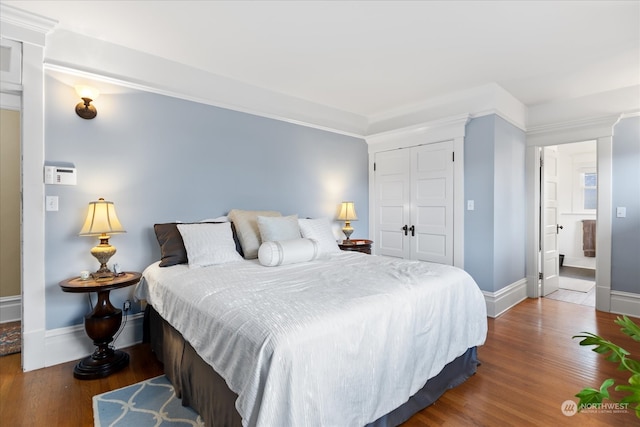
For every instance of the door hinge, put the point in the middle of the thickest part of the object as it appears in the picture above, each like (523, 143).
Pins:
(541, 163)
(540, 276)
(374, 166)
(453, 156)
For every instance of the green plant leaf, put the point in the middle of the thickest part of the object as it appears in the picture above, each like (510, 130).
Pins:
(632, 365)
(614, 353)
(590, 395)
(605, 385)
(629, 327)
(611, 351)
(634, 380)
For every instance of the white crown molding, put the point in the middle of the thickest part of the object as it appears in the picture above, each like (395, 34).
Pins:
(72, 70)
(574, 130)
(84, 56)
(423, 133)
(478, 101)
(624, 100)
(24, 26)
(74, 53)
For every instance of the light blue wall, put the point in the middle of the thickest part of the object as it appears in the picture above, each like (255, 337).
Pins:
(495, 181)
(625, 232)
(162, 159)
(478, 186)
(509, 225)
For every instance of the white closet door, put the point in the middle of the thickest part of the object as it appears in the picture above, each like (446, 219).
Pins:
(392, 200)
(432, 203)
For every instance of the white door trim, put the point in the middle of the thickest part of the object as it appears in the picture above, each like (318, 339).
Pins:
(31, 30)
(601, 130)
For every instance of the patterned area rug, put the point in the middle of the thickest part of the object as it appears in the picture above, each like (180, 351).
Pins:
(148, 403)
(10, 341)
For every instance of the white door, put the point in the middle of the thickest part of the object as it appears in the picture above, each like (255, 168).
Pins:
(413, 206)
(392, 193)
(549, 218)
(432, 203)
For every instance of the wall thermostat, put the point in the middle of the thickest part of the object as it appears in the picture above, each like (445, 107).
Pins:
(60, 175)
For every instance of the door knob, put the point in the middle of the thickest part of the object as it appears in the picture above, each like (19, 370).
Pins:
(413, 230)
(558, 228)
(405, 228)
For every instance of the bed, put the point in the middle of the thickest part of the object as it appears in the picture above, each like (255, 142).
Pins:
(343, 338)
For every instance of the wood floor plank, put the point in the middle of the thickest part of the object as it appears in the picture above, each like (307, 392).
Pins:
(530, 366)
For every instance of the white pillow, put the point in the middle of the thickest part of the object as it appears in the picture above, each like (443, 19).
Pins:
(208, 244)
(319, 230)
(283, 252)
(277, 228)
(247, 229)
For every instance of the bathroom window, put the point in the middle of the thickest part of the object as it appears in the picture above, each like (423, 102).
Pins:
(589, 190)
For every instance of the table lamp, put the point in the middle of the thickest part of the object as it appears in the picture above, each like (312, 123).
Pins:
(102, 221)
(347, 214)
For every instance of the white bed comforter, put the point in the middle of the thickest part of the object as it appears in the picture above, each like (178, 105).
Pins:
(333, 342)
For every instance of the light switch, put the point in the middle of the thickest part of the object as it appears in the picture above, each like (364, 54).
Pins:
(621, 212)
(52, 203)
(470, 205)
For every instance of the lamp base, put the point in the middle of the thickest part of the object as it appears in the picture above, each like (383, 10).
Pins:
(347, 230)
(103, 252)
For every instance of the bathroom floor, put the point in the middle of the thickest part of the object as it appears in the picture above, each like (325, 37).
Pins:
(572, 278)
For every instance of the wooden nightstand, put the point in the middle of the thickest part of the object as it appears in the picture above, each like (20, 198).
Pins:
(101, 325)
(357, 245)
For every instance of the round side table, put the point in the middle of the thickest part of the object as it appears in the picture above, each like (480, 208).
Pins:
(357, 245)
(101, 325)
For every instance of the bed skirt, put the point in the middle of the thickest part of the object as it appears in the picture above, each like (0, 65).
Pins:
(201, 388)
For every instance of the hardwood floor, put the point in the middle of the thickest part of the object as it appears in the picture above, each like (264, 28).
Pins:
(53, 397)
(530, 366)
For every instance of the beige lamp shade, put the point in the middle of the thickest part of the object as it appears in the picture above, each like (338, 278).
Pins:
(101, 219)
(348, 212)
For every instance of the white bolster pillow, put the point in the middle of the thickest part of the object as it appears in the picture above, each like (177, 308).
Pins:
(272, 254)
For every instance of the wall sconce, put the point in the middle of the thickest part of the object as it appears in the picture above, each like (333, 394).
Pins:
(84, 109)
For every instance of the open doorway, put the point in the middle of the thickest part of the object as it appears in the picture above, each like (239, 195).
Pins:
(577, 181)
(10, 299)
(600, 130)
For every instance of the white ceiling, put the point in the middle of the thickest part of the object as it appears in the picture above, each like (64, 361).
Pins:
(372, 57)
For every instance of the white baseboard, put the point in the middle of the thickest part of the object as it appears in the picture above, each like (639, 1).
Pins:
(10, 309)
(625, 303)
(507, 297)
(72, 343)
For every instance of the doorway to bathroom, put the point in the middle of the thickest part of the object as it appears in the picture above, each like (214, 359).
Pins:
(576, 213)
